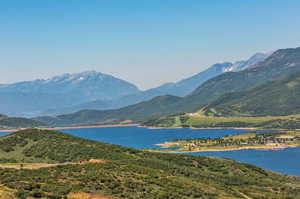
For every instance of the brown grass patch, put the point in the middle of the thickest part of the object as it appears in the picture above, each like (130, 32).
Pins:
(6, 195)
(88, 196)
(94, 161)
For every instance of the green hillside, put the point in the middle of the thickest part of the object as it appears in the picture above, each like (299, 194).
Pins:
(16, 122)
(154, 108)
(279, 97)
(198, 120)
(122, 172)
(281, 64)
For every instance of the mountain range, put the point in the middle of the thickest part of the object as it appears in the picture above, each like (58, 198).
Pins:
(180, 88)
(94, 90)
(280, 64)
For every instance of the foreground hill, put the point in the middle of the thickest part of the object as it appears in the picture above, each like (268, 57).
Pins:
(279, 97)
(121, 172)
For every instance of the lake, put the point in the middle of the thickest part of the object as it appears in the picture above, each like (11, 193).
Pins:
(285, 161)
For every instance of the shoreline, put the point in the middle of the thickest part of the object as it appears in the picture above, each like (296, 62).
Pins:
(73, 127)
(272, 148)
(200, 128)
(124, 125)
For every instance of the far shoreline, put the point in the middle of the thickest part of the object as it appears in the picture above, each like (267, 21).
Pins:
(125, 125)
(200, 128)
(133, 125)
(73, 127)
(271, 148)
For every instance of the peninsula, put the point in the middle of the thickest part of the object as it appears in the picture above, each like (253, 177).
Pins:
(252, 140)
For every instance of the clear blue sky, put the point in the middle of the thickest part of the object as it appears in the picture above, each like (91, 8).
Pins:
(147, 42)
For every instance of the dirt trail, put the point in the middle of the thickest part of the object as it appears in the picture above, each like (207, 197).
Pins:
(73, 127)
(46, 165)
(244, 195)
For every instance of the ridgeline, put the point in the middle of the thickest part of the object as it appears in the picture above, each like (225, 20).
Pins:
(279, 65)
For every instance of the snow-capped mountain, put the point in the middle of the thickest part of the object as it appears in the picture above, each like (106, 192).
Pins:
(91, 85)
(94, 90)
(186, 86)
(61, 91)
(242, 65)
(180, 88)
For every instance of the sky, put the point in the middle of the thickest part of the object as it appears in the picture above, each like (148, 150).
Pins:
(146, 42)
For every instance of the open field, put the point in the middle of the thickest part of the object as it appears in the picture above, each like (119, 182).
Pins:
(198, 120)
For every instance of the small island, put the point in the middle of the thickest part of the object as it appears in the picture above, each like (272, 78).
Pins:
(252, 140)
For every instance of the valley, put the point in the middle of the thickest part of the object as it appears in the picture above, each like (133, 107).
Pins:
(150, 99)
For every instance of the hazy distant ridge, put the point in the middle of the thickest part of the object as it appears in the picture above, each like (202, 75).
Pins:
(180, 88)
(279, 65)
(61, 91)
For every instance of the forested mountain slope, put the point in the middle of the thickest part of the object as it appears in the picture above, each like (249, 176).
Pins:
(280, 64)
(280, 97)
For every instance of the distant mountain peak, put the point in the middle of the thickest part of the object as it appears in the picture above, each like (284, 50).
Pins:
(261, 56)
(253, 60)
(78, 76)
(64, 90)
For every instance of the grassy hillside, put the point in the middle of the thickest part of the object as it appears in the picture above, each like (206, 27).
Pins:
(280, 64)
(198, 120)
(274, 104)
(279, 97)
(14, 122)
(128, 173)
(139, 112)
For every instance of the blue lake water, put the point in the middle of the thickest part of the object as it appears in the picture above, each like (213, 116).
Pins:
(285, 161)
(141, 138)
